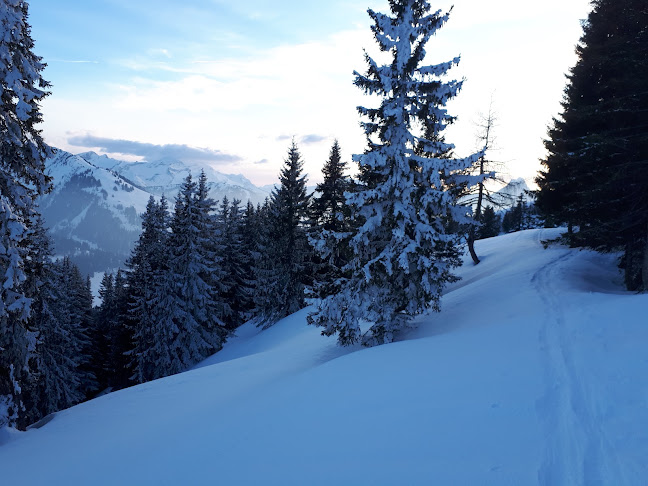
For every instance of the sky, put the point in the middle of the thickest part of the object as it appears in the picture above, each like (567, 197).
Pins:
(231, 83)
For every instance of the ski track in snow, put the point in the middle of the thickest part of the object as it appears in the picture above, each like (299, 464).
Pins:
(577, 451)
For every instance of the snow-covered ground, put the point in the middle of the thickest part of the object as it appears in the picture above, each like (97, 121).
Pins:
(535, 372)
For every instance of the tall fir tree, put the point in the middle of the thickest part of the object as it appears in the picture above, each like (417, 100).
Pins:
(100, 334)
(595, 177)
(331, 230)
(150, 357)
(193, 306)
(234, 265)
(249, 232)
(287, 254)
(491, 223)
(403, 251)
(120, 334)
(61, 375)
(22, 178)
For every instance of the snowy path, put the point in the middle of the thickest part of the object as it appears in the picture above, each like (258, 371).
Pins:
(534, 373)
(577, 451)
(574, 450)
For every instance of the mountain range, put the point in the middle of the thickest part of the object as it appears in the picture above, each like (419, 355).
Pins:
(93, 211)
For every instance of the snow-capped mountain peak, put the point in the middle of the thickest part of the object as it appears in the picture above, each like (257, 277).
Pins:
(94, 209)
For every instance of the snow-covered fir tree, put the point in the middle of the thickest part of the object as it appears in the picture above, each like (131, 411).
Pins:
(61, 320)
(150, 356)
(22, 178)
(192, 304)
(403, 251)
(285, 271)
(234, 264)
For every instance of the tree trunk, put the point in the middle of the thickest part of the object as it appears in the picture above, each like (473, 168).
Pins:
(633, 262)
(644, 267)
(570, 235)
(471, 246)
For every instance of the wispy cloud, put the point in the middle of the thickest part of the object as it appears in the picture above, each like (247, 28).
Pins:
(151, 151)
(281, 138)
(73, 61)
(312, 138)
(160, 52)
(262, 161)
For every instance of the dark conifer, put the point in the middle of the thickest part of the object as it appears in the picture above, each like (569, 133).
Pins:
(22, 179)
(287, 253)
(330, 228)
(596, 176)
(491, 223)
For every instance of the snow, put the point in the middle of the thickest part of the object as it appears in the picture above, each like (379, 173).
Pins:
(165, 176)
(62, 167)
(535, 372)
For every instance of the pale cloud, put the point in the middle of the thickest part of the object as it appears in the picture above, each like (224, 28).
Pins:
(151, 151)
(307, 89)
(73, 61)
(160, 52)
(312, 138)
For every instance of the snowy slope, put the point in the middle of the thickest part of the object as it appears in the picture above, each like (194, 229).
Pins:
(166, 176)
(536, 372)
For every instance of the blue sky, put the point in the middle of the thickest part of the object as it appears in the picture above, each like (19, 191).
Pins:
(235, 81)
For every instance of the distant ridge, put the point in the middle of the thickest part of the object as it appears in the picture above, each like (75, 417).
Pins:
(93, 211)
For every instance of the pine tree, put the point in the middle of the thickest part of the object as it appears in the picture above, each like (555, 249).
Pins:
(22, 178)
(192, 299)
(490, 223)
(595, 176)
(100, 335)
(403, 251)
(150, 357)
(59, 363)
(249, 232)
(234, 263)
(59, 385)
(331, 228)
(287, 254)
(479, 194)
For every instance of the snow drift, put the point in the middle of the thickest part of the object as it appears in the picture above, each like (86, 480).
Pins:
(535, 372)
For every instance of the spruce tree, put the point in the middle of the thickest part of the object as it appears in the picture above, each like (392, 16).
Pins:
(287, 255)
(234, 264)
(150, 356)
(60, 360)
(491, 223)
(330, 228)
(249, 232)
(120, 334)
(100, 335)
(192, 304)
(595, 175)
(403, 251)
(22, 179)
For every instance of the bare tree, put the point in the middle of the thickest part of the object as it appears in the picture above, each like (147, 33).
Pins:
(487, 169)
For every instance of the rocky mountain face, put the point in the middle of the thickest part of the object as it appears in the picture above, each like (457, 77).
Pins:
(93, 211)
(509, 194)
